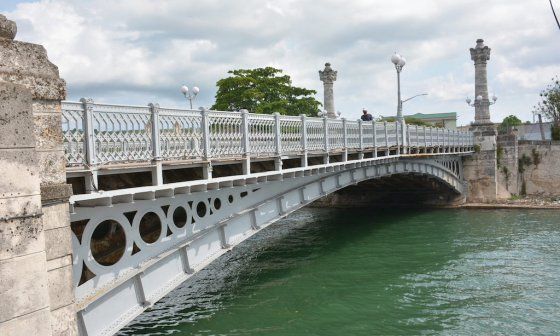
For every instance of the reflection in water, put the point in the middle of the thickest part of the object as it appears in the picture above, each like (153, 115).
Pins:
(347, 272)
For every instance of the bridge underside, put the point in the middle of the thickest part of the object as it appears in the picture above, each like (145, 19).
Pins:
(399, 190)
(133, 246)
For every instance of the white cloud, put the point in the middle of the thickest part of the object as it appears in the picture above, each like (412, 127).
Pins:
(135, 51)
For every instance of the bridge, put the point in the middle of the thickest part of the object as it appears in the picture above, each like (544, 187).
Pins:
(133, 245)
(159, 193)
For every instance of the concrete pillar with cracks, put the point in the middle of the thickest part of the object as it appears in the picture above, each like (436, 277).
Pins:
(35, 225)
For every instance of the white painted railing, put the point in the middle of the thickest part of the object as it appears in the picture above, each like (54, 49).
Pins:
(100, 134)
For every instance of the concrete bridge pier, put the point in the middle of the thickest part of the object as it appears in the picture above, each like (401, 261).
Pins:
(36, 287)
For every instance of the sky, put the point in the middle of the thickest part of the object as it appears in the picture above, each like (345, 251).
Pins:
(141, 51)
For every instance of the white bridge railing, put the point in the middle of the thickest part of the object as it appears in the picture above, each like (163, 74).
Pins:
(100, 134)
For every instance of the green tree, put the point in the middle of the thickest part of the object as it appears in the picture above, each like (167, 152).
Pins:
(508, 123)
(549, 106)
(264, 90)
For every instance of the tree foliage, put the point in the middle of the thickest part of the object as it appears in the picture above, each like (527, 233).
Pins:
(549, 106)
(508, 123)
(264, 90)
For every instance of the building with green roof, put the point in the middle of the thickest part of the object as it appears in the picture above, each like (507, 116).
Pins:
(446, 120)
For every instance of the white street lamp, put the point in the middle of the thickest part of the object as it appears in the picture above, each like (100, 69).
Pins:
(399, 63)
(190, 95)
(479, 100)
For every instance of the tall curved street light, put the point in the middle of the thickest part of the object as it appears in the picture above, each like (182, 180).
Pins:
(399, 63)
(190, 94)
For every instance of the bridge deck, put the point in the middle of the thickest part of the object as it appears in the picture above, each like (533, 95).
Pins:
(101, 139)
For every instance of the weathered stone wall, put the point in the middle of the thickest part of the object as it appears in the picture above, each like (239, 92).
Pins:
(24, 297)
(507, 165)
(539, 168)
(41, 178)
(480, 169)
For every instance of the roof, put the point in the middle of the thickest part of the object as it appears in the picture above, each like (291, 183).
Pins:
(448, 115)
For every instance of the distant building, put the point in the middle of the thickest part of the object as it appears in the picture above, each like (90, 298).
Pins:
(446, 120)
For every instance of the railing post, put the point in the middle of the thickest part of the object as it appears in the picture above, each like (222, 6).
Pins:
(374, 138)
(449, 141)
(361, 130)
(445, 141)
(326, 140)
(207, 168)
(91, 181)
(431, 139)
(157, 174)
(387, 151)
(455, 140)
(425, 140)
(439, 142)
(246, 163)
(405, 136)
(278, 142)
(345, 140)
(417, 140)
(304, 140)
(397, 136)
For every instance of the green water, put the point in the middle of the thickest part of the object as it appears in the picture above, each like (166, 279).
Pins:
(346, 272)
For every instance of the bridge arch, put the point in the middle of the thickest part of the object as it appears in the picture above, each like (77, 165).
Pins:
(234, 208)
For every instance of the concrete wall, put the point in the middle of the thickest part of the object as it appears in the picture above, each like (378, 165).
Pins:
(480, 170)
(539, 168)
(36, 287)
(507, 165)
(24, 297)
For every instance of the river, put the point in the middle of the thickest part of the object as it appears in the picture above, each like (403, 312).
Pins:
(371, 272)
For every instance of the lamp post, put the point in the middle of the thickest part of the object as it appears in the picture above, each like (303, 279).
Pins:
(399, 63)
(190, 94)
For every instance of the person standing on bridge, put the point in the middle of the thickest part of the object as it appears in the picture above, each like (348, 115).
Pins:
(366, 116)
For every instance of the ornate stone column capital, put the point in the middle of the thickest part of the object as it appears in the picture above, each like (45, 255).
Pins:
(480, 53)
(328, 75)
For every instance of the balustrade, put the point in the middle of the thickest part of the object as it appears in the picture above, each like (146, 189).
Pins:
(99, 134)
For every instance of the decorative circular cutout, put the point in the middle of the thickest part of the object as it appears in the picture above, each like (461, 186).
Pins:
(150, 228)
(108, 242)
(230, 199)
(201, 209)
(217, 203)
(180, 217)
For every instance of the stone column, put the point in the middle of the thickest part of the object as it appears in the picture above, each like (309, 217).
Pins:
(36, 286)
(480, 54)
(480, 169)
(328, 77)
